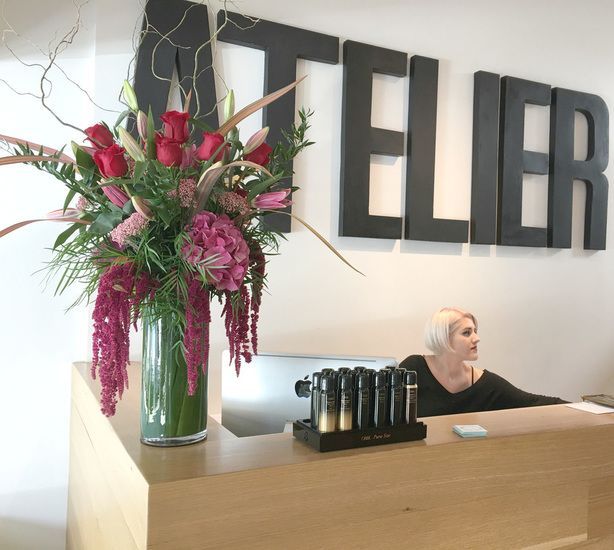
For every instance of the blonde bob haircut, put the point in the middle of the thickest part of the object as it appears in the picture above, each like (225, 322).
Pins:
(442, 325)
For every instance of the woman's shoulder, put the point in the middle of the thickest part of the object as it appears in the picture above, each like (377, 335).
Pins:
(413, 362)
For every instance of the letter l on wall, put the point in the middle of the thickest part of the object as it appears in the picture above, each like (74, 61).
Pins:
(420, 180)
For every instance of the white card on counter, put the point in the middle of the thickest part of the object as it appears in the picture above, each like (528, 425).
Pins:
(470, 430)
(593, 408)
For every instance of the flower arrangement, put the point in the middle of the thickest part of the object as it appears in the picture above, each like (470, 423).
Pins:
(161, 225)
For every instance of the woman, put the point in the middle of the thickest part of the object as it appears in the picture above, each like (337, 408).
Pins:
(448, 385)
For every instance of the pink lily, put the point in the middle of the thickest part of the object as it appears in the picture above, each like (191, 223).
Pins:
(115, 195)
(272, 200)
(141, 125)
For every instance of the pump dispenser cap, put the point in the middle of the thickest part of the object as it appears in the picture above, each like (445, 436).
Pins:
(346, 382)
(363, 381)
(411, 378)
(396, 378)
(327, 383)
(381, 379)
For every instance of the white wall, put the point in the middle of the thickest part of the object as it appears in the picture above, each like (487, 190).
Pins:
(544, 314)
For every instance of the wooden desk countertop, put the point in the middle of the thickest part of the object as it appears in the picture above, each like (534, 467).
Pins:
(224, 453)
(544, 465)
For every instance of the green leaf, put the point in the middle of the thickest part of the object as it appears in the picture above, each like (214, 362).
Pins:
(165, 215)
(65, 234)
(151, 136)
(105, 222)
(128, 208)
(84, 159)
(201, 125)
(139, 170)
(121, 117)
(71, 194)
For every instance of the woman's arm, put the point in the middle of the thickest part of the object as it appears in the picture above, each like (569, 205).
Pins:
(508, 396)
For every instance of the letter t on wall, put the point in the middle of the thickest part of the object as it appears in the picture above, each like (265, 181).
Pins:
(359, 139)
(282, 45)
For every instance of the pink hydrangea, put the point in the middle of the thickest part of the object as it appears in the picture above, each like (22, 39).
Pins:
(218, 245)
(131, 226)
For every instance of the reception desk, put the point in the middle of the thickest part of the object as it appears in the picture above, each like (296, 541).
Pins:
(543, 478)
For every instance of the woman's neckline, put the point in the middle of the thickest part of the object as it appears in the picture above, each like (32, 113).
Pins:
(428, 368)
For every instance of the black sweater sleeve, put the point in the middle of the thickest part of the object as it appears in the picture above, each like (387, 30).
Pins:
(507, 396)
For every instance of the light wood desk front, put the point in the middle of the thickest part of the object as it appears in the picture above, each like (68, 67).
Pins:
(543, 478)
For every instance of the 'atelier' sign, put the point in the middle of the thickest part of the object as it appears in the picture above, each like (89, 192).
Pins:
(498, 162)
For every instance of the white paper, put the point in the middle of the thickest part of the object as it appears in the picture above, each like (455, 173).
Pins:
(593, 408)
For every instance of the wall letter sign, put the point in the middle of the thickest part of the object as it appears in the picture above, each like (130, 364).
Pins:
(499, 159)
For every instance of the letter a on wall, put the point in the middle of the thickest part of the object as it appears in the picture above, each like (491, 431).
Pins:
(176, 35)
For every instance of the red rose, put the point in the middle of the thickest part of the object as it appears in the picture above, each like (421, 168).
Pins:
(176, 126)
(100, 136)
(111, 161)
(210, 145)
(260, 155)
(168, 151)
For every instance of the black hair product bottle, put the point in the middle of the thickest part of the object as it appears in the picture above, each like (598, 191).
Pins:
(315, 399)
(362, 411)
(336, 381)
(411, 397)
(396, 394)
(346, 402)
(328, 405)
(380, 399)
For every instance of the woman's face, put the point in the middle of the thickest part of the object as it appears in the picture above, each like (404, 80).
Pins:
(464, 340)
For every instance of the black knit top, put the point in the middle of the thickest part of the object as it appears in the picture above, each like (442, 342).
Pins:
(490, 392)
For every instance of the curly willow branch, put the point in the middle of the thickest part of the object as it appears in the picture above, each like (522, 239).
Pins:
(45, 85)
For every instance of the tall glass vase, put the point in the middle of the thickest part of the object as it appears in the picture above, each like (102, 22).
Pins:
(169, 416)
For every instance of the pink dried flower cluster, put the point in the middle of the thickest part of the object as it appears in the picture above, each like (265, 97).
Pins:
(131, 226)
(233, 203)
(185, 191)
(82, 203)
(218, 245)
(118, 292)
(196, 333)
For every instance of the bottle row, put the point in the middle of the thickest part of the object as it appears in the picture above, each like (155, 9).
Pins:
(360, 398)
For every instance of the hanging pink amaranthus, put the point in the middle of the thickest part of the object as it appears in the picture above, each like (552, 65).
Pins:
(118, 294)
(237, 324)
(258, 261)
(196, 333)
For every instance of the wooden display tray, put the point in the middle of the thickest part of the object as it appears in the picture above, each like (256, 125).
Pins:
(349, 439)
